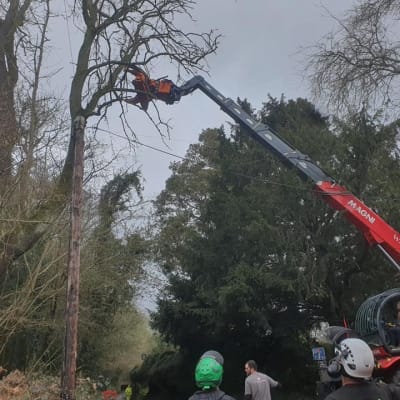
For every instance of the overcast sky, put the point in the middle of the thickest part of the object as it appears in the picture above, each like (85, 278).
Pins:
(259, 54)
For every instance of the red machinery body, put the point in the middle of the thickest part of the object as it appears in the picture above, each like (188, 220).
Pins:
(386, 364)
(375, 230)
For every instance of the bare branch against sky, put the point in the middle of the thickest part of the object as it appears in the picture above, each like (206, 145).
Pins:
(258, 55)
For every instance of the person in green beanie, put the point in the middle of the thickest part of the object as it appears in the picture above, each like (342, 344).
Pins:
(208, 377)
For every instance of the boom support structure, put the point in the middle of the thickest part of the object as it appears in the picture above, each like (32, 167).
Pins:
(376, 231)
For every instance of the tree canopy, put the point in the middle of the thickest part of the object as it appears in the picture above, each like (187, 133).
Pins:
(112, 35)
(254, 259)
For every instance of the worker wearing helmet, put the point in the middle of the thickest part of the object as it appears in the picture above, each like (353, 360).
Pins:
(354, 362)
(208, 377)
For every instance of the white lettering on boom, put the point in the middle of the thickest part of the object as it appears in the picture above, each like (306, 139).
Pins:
(364, 213)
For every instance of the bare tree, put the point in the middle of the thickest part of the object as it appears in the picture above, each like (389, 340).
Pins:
(359, 63)
(12, 16)
(23, 113)
(115, 33)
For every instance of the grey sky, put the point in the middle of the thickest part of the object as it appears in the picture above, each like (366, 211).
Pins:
(258, 55)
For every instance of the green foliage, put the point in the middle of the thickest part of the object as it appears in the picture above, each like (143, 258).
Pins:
(112, 334)
(111, 265)
(252, 257)
(123, 346)
(160, 373)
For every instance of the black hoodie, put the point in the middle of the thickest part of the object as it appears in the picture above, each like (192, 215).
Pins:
(214, 394)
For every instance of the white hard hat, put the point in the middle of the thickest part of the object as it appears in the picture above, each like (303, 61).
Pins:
(356, 358)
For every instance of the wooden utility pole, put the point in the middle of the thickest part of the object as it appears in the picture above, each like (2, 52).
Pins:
(68, 377)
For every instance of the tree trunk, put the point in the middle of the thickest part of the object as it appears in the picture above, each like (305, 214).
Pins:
(8, 135)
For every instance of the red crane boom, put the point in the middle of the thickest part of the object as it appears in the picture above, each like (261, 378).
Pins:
(376, 231)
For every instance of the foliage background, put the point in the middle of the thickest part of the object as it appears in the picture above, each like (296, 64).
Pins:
(254, 260)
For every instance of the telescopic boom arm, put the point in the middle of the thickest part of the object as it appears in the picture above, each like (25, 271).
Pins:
(376, 231)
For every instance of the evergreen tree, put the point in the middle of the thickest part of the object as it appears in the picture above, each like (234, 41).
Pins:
(253, 258)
